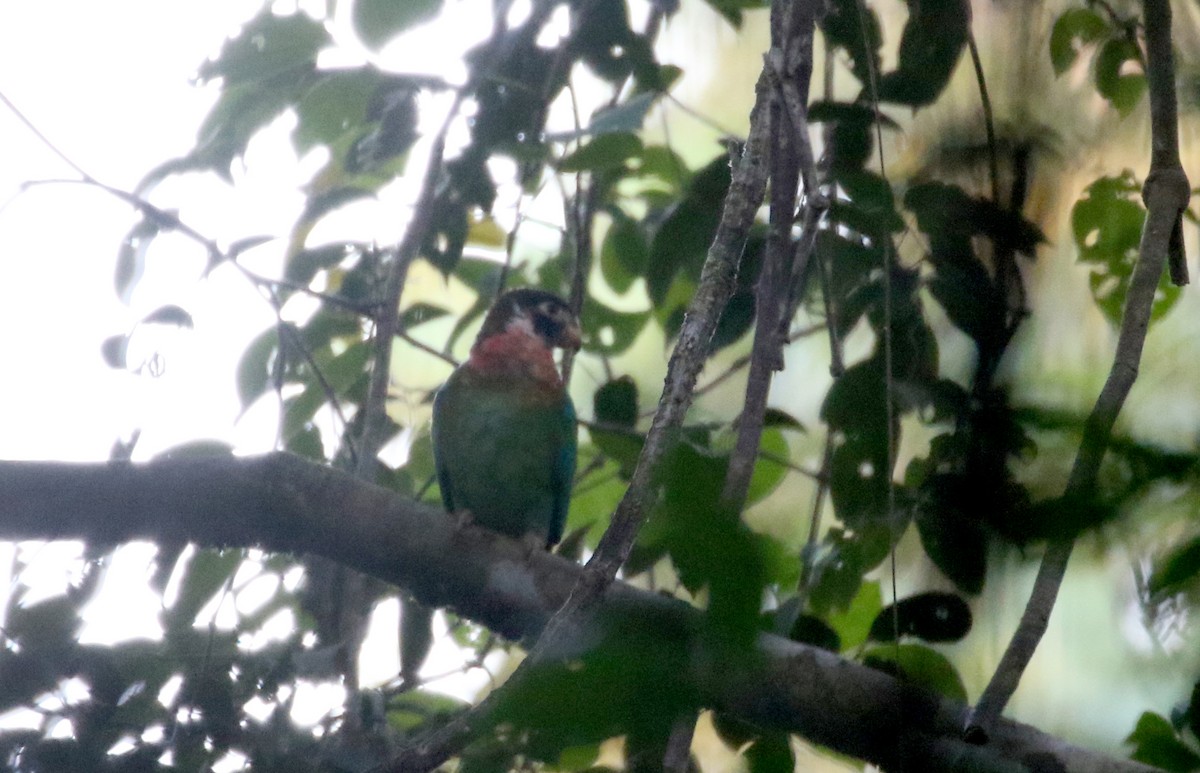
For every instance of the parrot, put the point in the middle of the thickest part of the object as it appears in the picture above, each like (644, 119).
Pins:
(504, 440)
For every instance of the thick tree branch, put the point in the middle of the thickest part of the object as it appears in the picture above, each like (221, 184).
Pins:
(283, 503)
(1166, 195)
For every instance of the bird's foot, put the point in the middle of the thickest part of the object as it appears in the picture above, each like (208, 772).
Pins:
(462, 519)
(533, 543)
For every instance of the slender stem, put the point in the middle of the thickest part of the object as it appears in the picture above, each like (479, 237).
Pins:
(388, 323)
(1166, 193)
(989, 123)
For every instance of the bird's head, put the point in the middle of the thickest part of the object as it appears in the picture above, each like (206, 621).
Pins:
(535, 313)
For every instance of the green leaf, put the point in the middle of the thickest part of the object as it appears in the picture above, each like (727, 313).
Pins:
(316, 207)
(770, 467)
(378, 21)
(625, 117)
(607, 151)
(623, 253)
(1082, 25)
(853, 624)
(933, 616)
(920, 665)
(623, 447)
(1156, 743)
(419, 313)
(131, 256)
(1122, 88)
(267, 46)
(1178, 568)
(339, 102)
(48, 626)
(1107, 223)
(169, 315)
(735, 321)
(254, 367)
(239, 113)
(303, 266)
(205, 574)
(608, 331)
(340, 373)
(616, 402)
(681, 241)
(115, 351)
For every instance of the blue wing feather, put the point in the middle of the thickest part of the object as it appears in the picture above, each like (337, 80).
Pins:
(564, 475)
(439, 455)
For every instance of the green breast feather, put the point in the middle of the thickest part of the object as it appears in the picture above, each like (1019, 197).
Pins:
(505, 452)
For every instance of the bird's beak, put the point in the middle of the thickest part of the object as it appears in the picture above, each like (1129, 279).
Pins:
(572, 337)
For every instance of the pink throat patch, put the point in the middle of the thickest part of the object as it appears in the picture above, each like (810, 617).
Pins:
(515, 353)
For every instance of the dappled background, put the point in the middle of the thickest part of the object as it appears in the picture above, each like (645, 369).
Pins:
(126, 339)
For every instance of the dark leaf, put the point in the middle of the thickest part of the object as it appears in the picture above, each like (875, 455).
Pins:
(735, 321)
(771, 754)
(951, 535)
(932, 41)
(1075, 26)
(196, 448)
(420, 313)
(844, 26)
(616, 402)
(205, 574)
(255, 366)
(625, 117)
(378, 21)
(607, 151)
(623, 253)
(1178, 568)
(169, 315)
(114, 350)
(933, 617)
(303, 266)
(131, 256)
(809, 629)
(683, 237)
(775, 417)
(1156, 743)
(732, 9)
(268, 45)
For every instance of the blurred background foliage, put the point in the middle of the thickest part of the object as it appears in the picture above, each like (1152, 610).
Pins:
(587, 147)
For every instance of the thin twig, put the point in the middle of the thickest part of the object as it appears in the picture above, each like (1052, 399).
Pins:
(387, 324)
(678, 756)
(716, 284)
(408, 338)
(989, 124)
(1166, 194)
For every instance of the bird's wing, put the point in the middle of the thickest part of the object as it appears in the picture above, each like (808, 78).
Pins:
(440, 406)
(564, 473)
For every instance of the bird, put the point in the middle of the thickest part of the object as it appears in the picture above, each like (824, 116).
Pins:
(504, 436)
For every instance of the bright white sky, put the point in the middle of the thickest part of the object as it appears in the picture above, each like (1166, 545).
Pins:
(108, 84)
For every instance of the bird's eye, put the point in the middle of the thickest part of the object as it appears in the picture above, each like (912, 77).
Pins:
(545, 325)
